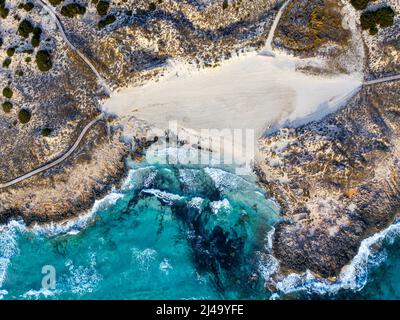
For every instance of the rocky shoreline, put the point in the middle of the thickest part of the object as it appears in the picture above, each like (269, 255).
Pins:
(65, 98)
(336, 180)
(69, 189)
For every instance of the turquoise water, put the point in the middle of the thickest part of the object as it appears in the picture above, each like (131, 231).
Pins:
(178, 232)
(171, 232)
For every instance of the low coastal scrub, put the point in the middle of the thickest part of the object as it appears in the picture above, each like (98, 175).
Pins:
(369, 20)
(6, 62)
(105, 22)
(26, 6)
(46, 132)
(55, 2)
(7, 106)
(25, 28)
(3, 10)
(73, 9)
(361, 4)
(35, 42)
(102, 7)
(10, 52)
(384, 17)
(43, 60)
(7, 92)
(152, 6)
(24, 116)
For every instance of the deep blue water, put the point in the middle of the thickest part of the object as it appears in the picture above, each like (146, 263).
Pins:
(175, 232)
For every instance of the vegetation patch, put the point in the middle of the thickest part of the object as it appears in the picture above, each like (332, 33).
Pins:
(6, 62)
(384, 17)
(25, 28)
(105, 22)
(7, 92)
(46, 132)
(3, 10)
(24, 116)
(43, 60)
(360, 4)
(307, 25)
(73, 9)
(55, 2)
(7, 106)
(36, 37)
(10, 52)
(102, 7)
(152, 6)
(26, 6)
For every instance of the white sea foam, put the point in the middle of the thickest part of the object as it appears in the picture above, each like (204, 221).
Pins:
(9, 233)
(352, 277)
(37, 294)
(222, 205)
(143, 259)
(169, 198)
(148, 172)
(82, 279)
(74, 226)
(8, 248)
(165, 266)
(196, 202)
(225, 181)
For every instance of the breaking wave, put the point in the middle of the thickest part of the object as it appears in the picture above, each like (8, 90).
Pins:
(353, 277)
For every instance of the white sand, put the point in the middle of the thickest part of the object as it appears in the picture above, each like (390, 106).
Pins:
(262, 92)
(253, 91)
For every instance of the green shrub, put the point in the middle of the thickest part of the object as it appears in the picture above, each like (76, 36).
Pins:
(10, 52)
(73, 9)
(7, 106)
(55, 2)
(384, 17)
(4, 12)
(37, 31)
(105, 22)
(152, 6)
(102, 7)
(7, 92)
(28, 6)
(25, 28)
(6, 62)
(28, 59)
(43, 60)
(359, 4)
(225, 4)
(24, 116)
(35, 42)
(46, 132)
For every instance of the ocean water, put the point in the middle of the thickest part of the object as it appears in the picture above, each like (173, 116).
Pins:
(179, 232)
(170, 232)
